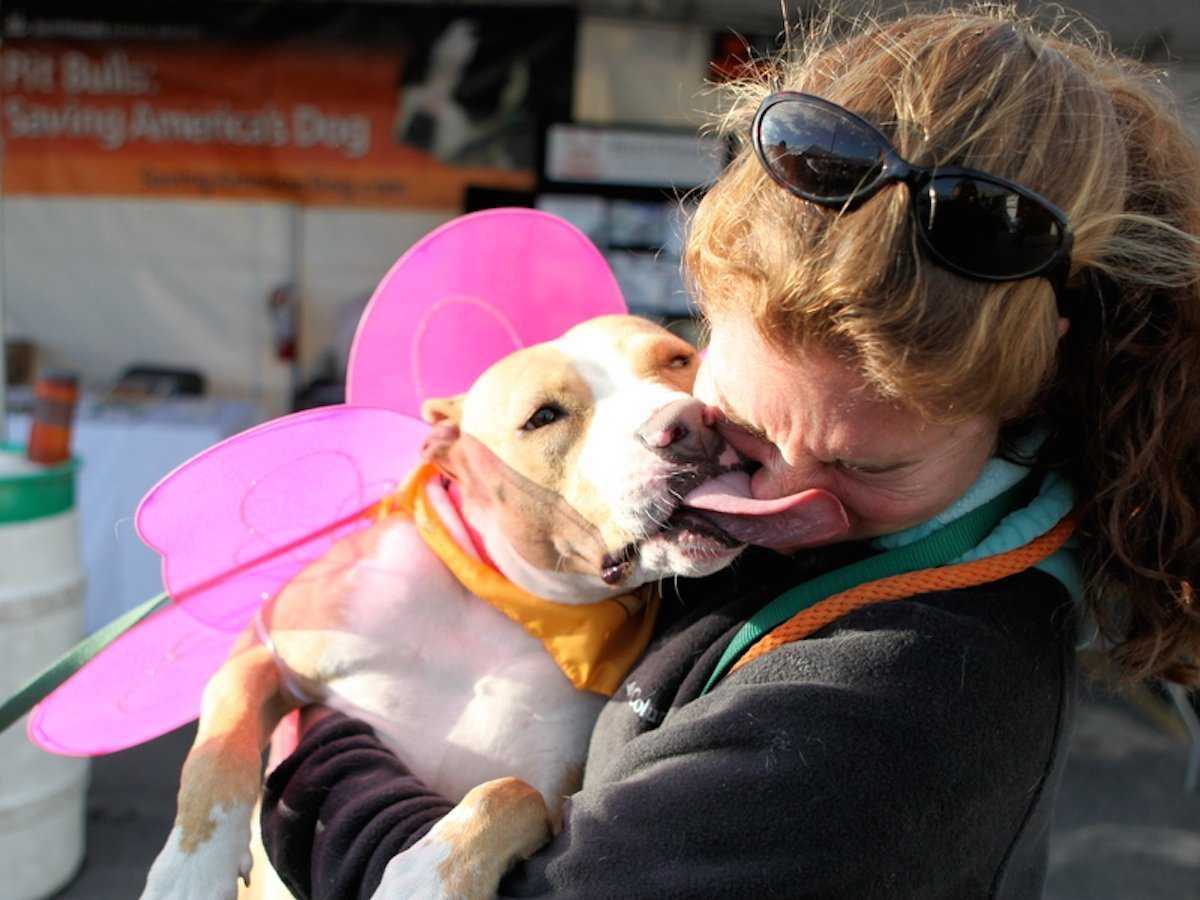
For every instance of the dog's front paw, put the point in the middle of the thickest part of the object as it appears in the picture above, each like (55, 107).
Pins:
(203, 861)
(464, 856)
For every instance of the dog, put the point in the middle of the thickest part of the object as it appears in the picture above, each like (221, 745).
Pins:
(558, 480)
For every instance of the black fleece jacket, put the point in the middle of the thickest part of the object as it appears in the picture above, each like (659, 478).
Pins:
(912, 749)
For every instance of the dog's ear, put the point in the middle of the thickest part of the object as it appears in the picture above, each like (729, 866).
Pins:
(444, 414)
(443, 410)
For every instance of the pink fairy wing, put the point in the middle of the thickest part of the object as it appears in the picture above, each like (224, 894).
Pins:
(233, 525)
(236, 522)
(145, 684)
(469, 293)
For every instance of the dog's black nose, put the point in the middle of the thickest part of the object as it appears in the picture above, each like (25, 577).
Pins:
(681, 432)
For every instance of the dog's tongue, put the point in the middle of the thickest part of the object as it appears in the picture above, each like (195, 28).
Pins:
(810, 517)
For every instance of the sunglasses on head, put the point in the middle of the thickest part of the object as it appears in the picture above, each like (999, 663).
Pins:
(975, 224)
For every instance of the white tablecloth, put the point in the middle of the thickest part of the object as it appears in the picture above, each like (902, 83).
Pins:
(124, 451)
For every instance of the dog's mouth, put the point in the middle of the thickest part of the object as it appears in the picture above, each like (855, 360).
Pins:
(694, 534)
(804, 519)
(714, 512)
(676, 523)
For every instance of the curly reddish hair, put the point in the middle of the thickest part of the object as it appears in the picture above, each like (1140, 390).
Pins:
(1049, 106)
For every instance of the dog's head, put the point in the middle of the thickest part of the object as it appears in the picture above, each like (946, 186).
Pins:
(572, 458)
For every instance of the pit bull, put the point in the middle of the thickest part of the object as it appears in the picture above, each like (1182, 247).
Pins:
(556, 481)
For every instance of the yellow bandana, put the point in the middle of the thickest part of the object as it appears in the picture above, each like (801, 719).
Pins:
(595, 644)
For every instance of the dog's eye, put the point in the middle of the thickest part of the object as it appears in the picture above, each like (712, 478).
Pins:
(543, 416)
(682, 361)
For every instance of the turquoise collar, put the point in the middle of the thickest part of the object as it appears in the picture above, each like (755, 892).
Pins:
(1052, 503)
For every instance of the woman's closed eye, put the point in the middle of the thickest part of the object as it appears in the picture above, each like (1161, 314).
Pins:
(870, 468)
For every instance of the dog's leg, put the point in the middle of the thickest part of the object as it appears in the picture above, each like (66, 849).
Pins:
(266, 884)
(208, 847)
(466, 854)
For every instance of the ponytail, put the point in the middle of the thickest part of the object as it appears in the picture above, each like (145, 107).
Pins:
(1125, 401)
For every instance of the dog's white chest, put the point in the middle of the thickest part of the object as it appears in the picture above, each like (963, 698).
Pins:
(462, 693)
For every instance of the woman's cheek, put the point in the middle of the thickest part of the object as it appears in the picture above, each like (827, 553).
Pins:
(873, 507)
(775, 478)
(882, 508)
(747, 445)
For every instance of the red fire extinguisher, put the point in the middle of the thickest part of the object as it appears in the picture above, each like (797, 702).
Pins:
(284, 310)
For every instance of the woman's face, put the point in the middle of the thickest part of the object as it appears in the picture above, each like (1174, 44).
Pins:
(812, 422)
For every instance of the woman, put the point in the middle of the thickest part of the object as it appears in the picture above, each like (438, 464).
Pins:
(923, 345)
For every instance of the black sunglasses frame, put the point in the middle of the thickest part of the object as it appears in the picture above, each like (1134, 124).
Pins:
(917, 178)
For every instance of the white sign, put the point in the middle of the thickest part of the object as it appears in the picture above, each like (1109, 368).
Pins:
(590, 155)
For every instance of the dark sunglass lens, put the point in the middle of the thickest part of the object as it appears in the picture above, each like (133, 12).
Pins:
(986, 228)
(817, 151)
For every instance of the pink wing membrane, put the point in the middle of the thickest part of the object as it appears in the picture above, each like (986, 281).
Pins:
(236, 522)
(468, 294)
(233, 525)
(147, 683)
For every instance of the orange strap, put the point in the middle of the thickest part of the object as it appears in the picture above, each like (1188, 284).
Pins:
(899, 587)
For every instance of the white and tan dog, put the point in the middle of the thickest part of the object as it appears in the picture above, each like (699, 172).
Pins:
(564, 467)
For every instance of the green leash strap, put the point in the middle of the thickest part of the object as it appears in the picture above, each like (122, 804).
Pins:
(41, 685)
(937, 549)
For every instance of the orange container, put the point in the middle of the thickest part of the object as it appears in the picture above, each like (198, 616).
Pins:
(54, 397)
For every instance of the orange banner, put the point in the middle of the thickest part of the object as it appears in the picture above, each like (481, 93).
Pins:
(305, 123)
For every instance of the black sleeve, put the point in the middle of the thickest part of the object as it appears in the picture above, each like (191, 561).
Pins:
(904, 755)
(339, 808)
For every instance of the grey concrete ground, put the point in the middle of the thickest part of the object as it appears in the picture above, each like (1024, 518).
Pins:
(1125, 830)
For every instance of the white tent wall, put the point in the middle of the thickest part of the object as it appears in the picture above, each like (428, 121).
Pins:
(344, 254)
(101, 283)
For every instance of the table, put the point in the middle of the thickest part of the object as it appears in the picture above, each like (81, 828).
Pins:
(124, 450)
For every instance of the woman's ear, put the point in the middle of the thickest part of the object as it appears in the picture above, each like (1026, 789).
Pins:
(1064, 325)
(443, 410)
